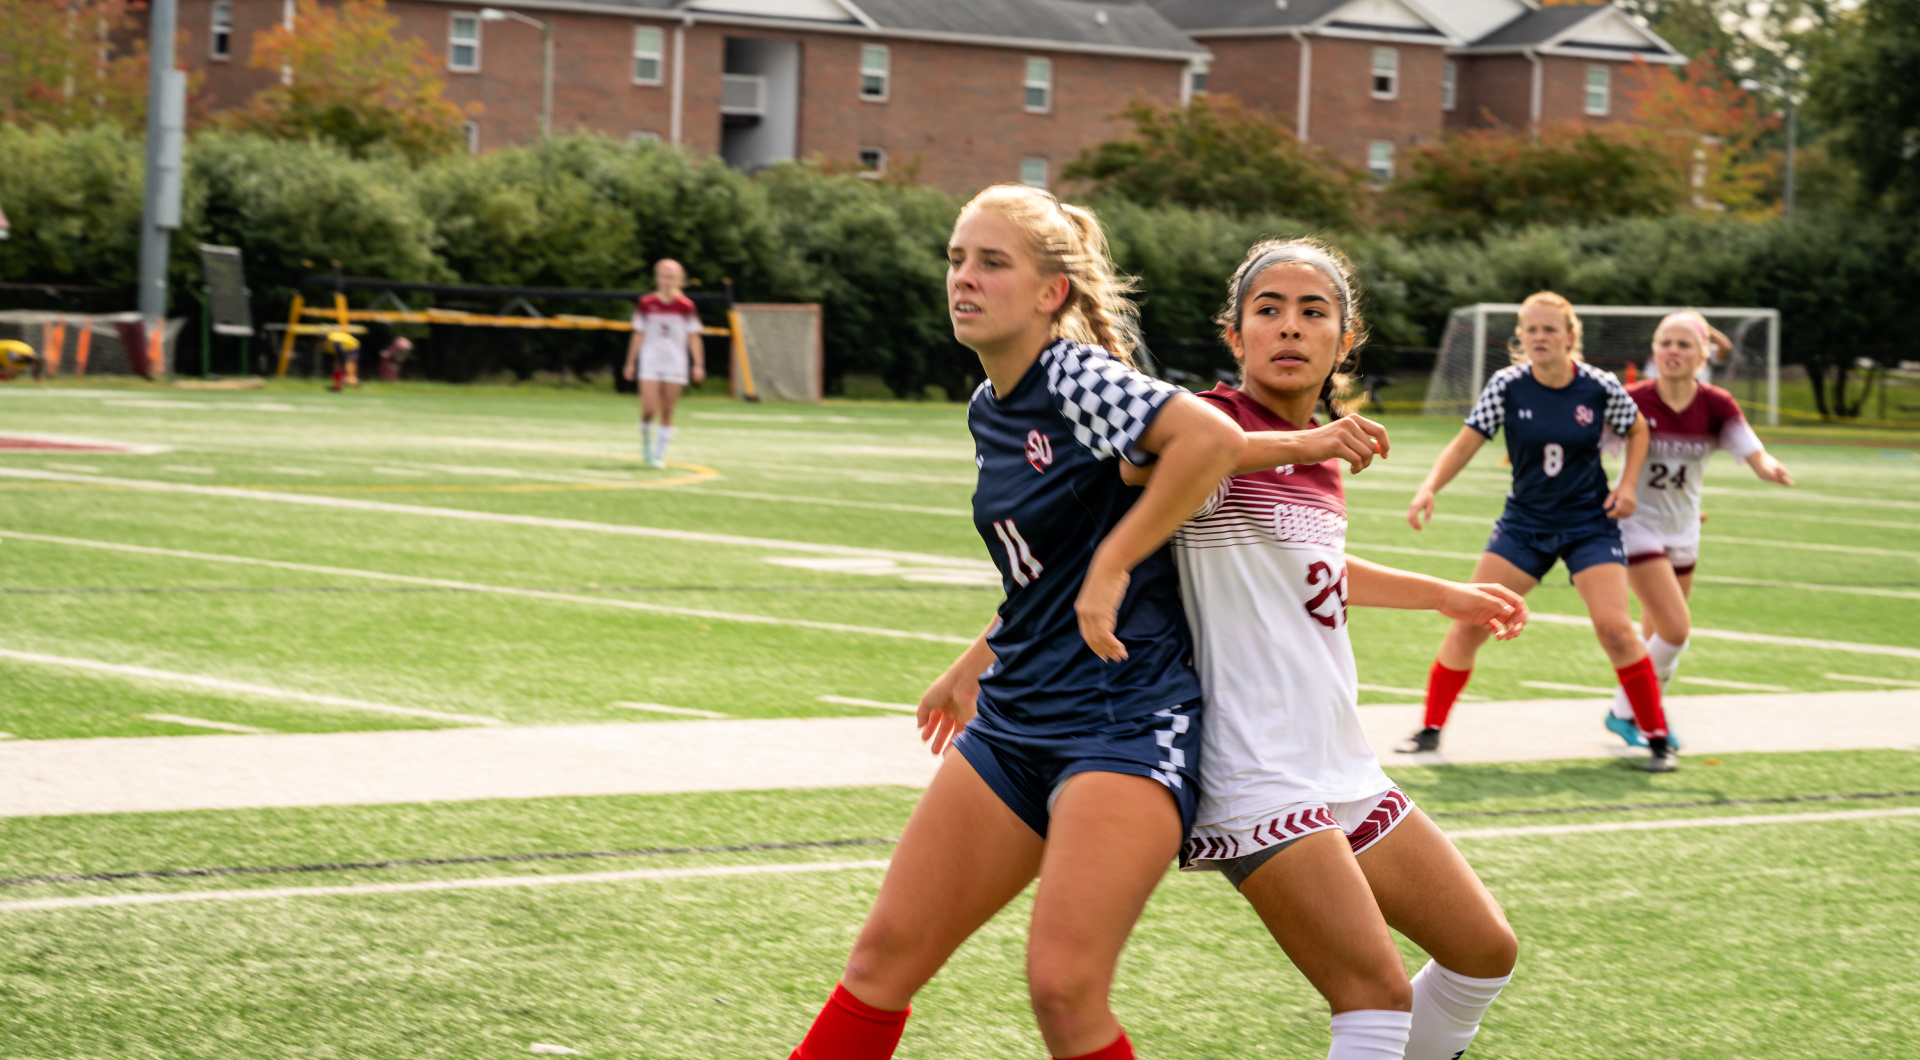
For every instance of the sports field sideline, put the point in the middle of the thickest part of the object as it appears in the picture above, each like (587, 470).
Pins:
(420, 567)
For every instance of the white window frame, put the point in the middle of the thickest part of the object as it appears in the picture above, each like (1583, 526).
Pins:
(470, 134)
(879, 166)
(643, 136)
(1028, 165)
(884, 72)
(658, 54)
(1374, 164)
(220, 30)
(1044, 85)
(1197, 75)
(1604, 88)
(1449, 85)
(1391, 71)
(453, 42)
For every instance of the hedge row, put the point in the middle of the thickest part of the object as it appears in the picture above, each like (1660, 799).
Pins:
(588, 211)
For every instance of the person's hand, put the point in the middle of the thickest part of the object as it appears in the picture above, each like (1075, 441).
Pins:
(946, 708)
(1420, 511)
(1621, 502)
(1099, 608)
(1772, 470)
(1354, 439)
(628, 372)
(699, 374)
(1490, 606)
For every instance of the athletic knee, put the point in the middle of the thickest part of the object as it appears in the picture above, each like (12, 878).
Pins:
(1064, 993)
(1618, 639)
(1384, 988)
(1492, 955)
(887, 946)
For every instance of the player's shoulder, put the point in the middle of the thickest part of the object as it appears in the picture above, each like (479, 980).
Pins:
(1499, 381)
(1720, 403)
(1598, 375)
(1074, 368)
(1240, 407)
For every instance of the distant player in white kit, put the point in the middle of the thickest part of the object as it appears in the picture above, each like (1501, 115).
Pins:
(1294, 808)
(1689, 420)
(666, 351)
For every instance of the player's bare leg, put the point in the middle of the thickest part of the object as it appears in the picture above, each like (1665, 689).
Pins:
(1665, 624)
(1429, 893)
(1454, 663)
(1603, 587)
(1316, 902)
(667, 395)
(1109, 842)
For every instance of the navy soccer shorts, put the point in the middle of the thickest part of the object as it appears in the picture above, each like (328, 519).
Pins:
(1534, 551)
(1028, 770)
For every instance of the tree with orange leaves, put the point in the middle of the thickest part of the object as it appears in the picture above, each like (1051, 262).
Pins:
(1707, 128)
(353, 81)
(57, 65)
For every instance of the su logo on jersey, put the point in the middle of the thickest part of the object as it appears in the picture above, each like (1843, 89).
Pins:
(1583, 415)
(1039, 451)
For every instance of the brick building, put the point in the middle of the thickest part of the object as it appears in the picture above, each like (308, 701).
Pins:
(1367, 79)
(963, 93)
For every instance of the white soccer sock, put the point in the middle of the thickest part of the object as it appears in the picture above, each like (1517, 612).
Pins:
(1666, 657)
(1447, 1007)
(1370, 1034)
(1621, 708)
(666, 435)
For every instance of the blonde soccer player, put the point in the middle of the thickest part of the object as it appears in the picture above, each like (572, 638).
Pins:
(1555, 410)
(1689, 419)
(665, 353)
(1294, 809)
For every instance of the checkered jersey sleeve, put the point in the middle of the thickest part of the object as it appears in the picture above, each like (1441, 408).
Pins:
(1108, 405)
(1489, 412)
(1621, 408)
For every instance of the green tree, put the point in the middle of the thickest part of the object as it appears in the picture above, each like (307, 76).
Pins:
(57, 66)
(1866, 85)
(1216, 154)
(354, 81)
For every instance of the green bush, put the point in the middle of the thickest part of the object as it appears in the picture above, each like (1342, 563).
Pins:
(74, 201)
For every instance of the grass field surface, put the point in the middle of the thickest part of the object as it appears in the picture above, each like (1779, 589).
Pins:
(290, 560)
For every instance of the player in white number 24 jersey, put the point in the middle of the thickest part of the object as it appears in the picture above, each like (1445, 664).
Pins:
(1689, 420)
(1294, 809)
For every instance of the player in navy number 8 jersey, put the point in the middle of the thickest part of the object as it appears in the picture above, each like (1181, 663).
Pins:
(1075, 719)
(1554, 408)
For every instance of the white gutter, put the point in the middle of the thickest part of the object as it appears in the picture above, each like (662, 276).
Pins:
(1533, 94)
(1306, 84)
(679, 80)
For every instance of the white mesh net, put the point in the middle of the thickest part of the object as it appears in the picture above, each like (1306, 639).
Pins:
(783, 351)
(1614, 337)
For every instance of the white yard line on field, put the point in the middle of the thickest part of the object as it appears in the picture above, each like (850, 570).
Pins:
(202, 723)
(661, 708)
(1404, 550)
(1810, 546)
(1684, 822)
(500, 590)
(240, 687)
(1754, 638)
(1420, 692)
(830, 502)
(1557, 686)
(484, 883)
(1738, 686)
(1858, 680)
(853, 702)
(1809, 587)
(542, 522)
(1806, 495)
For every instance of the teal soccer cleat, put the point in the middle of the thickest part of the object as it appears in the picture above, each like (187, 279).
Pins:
(1626, 730)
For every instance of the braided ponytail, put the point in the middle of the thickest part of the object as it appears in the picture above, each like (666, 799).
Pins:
(1068, 241)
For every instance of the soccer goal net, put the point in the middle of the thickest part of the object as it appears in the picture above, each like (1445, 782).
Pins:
(777, 352)
(1474, 346)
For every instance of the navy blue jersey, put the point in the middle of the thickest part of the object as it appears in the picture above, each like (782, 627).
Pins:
(1048, 495)
(1553, 441)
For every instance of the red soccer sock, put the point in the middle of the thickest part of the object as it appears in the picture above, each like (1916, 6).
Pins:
(1121, 1049)
(1443, 687)
(1641, 683)
(850, 1029)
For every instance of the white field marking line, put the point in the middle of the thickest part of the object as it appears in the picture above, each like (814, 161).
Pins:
(1804, 495)
(1736, 513)
(1811, 546)
(211, 406)
(853, 702)
(357, 504)
(1367, 546)
(1753, 638)
(296, 471)
(223, 685)
(1683, 822)
(861, 474)
(483, 883)
(1857, 679)
(202, 723)
(186, 469)
(502, 590)
(1421, 692)
(1556, 686)
(661, 708)
(85, 469)
(831, 502)
(404, 471)
(1809, 587)
(1743, 686)
(6, 736)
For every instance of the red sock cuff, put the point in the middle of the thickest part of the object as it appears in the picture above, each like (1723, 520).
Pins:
(845, 999)
(1121, 1049)
(1443, 687)
(1641, 682)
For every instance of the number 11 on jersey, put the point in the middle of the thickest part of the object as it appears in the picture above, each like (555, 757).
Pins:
(1020, 561)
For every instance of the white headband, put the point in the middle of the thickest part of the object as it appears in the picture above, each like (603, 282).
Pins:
(1310, 255)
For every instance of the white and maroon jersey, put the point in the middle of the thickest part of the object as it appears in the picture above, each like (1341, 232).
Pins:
(1669, 487)
(663, 326)
(1263, 574)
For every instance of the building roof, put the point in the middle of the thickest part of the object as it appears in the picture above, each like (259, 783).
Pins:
(1589, 30)
(1540, 25)
(1399, 19)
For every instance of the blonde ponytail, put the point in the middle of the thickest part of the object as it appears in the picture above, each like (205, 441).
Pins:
(1068, 241)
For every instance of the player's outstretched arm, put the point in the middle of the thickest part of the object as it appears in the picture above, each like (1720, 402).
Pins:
(950, 701)
(1494, 607)
(1765, 466)
(1453, 460)
(1624, 499)
(633, 356)
(696, 354)
(1197, 446)
(1354, 439)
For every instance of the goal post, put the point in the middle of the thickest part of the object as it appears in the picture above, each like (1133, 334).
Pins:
(1474, 346)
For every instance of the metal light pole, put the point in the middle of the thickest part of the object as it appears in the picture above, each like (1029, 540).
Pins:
(166, 136)
(1786, 195)
(494, 14)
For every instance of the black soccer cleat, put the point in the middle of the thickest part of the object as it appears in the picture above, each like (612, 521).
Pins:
(1427, 739)
(1664, 757)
